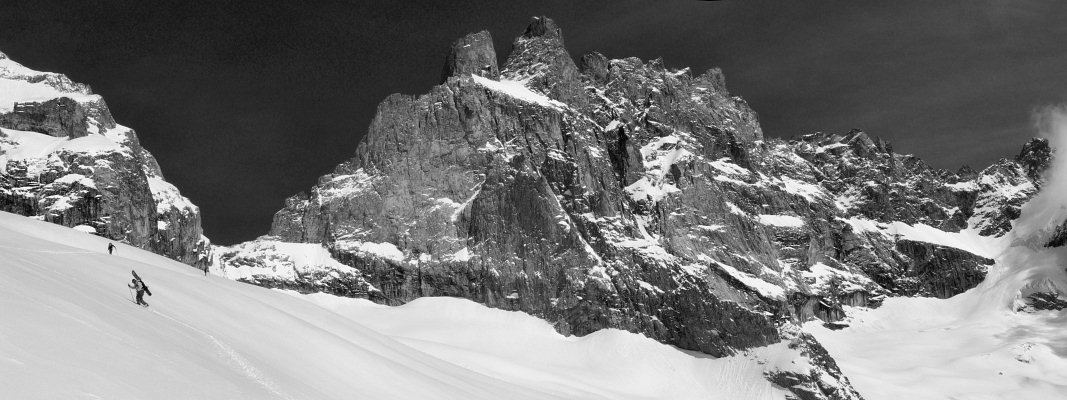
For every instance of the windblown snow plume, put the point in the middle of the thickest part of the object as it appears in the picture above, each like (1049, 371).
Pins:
(1034, 261)
(1048, 209)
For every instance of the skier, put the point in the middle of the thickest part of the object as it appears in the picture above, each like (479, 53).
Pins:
(110, 248)
(140, 287)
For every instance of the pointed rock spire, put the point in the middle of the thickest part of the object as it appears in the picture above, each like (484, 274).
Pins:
(543, 27)
(539, 58)
(472, 54)
(595, 65)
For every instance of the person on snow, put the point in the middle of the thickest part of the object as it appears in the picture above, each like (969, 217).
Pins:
(140, 288)
(110, 248)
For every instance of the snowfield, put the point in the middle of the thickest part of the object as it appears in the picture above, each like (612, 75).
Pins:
(71, 331)
(919, 348)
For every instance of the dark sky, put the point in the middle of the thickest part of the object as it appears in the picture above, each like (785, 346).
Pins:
(245, 103)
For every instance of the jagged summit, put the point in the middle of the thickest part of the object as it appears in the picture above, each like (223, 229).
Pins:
(1035, 156)
(472, 54)
(855, 138)
(539, 59)
(543, 27)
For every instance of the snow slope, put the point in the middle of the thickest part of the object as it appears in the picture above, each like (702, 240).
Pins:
(71, 331)
(923, 348)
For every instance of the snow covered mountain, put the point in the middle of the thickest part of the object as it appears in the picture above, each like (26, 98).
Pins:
(1004, 339)
(71, 330)
(622, 194)
(63, 159)
(619, 202)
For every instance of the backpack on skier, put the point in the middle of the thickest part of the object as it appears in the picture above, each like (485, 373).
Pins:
(143, 285)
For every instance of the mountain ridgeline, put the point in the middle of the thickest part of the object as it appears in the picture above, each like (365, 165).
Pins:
(622, 194)
(64, 159)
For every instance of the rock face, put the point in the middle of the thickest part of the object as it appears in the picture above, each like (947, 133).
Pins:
(625, 195)
(63, 159)
(472, 55)
(60, 117)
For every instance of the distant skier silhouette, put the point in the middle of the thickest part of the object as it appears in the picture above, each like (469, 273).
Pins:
(110, 248)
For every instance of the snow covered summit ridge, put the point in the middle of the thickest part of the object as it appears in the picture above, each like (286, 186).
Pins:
(21, 84)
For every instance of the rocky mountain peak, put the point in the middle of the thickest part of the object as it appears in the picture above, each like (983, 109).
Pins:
(715, 79)
(1035, 158)
(472, 54)
(543, 27)
(539, 59)
(594, 65)
(857, 140)
(966, 173)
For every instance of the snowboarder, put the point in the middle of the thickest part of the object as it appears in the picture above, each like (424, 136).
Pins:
(138, 284)
(110, 248)
(139, 287)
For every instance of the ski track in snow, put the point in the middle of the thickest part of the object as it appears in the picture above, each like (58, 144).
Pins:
(235, 358)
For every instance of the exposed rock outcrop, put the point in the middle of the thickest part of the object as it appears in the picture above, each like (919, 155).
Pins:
(472, 55)
(63, 159)
(60, 117)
